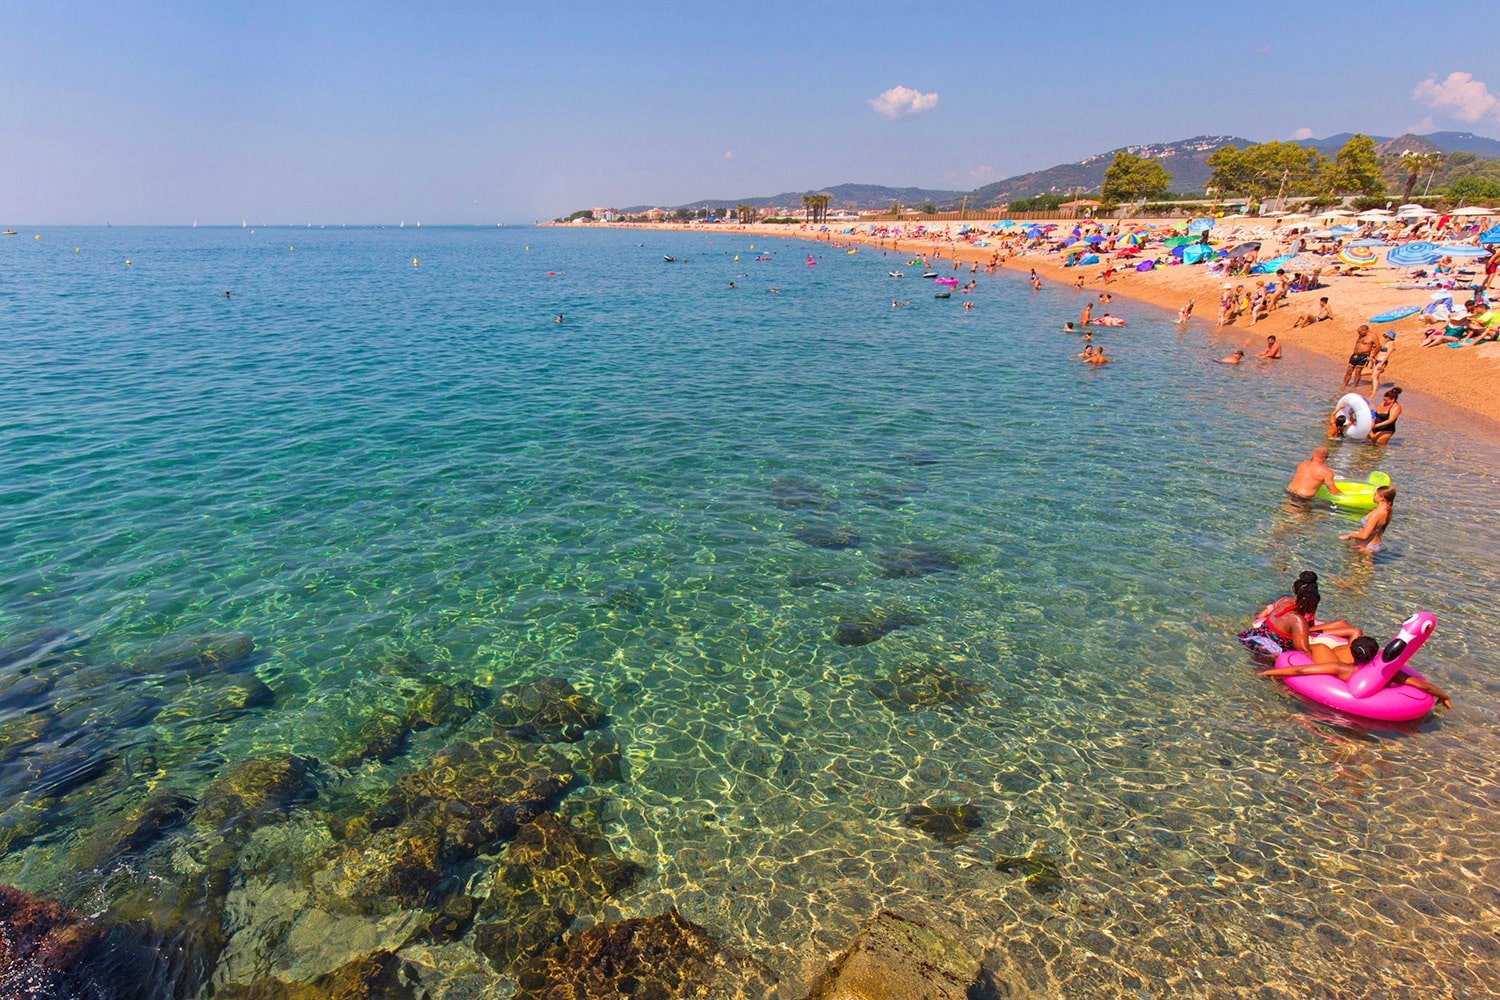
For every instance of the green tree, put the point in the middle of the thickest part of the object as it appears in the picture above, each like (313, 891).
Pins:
(746, 213)
(1267, 168)
(1356, 168)
(1475, 188)
(1414, 165)
(1133, 178)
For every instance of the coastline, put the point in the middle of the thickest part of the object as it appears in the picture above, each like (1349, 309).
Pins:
(1455, 389)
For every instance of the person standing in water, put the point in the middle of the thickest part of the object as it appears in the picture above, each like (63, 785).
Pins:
(1371, 533)
(1310, 475)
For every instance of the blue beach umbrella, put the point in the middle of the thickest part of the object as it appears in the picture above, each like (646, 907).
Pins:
(1092, 258)
(1200, 225)
(1463, 252)
(1093, 239)
(1369, 243)
(1344, 230)
(1418, 254)
(1490, 235)
(1193, 254)
(1269, 266)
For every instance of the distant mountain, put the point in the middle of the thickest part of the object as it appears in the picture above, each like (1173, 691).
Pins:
(1184, 160)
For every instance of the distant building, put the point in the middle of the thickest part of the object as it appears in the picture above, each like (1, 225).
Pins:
(655, 214)
(606, 214)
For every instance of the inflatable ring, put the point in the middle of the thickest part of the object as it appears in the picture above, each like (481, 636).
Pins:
(1369, 693)
(1108, 321)
(1354, 496)
(1361, 419)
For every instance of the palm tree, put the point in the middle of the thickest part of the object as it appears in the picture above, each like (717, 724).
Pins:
(1414, 164)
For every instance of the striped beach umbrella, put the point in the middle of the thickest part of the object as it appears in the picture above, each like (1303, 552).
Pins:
(1463, 251)
(1200, 225)
(1490, 236)
(1417, 254)
(1359, 256)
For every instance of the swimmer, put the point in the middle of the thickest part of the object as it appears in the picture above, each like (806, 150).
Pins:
(228, 295)
(1099, 358)
(1068, 327)
(1233, 359)
(1348, 660)
(1372, 526)
(1083, 317)
(968, 306)
(731, 284)
(558, 320)
(1088, 353)
(1287, 624)
(1272, 351)
(1310, 475)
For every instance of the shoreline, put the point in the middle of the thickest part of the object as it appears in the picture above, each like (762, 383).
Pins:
(1455, 390)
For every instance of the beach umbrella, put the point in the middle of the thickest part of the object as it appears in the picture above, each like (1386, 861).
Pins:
(1462, 251)
(1296, 217)
(1322, 234)
(1127, 252)
(1242, 250)
(1474, 211)
(1343, 230)
(1359, 256)
(1304, 262)
(1490, 235)
(1200, 225)
(1193, 254)
(1179, 241)
(1330, 216)
(1093, 239)
(1270, 266)
(1418, 254)
(1369, 243)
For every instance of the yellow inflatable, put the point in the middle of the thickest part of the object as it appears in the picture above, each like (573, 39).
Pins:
(1355, 496)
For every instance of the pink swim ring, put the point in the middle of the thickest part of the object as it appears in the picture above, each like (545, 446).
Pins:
(1370, 693)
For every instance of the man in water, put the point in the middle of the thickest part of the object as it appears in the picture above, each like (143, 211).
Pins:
(1364, 343)
(1233, 359)
(1273, 349)
(1310, 475)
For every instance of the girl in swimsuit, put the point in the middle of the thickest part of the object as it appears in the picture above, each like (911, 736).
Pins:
(1385, 420)
(1287, 624)
(1372, 526)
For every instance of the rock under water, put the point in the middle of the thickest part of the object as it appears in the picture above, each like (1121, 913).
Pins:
(548, 710)
(793, 493)
(950, 825)
(860, 630)
(917, 559)
(895, 958)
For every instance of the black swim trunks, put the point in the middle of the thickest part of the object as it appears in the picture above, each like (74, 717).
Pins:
(1359, 360)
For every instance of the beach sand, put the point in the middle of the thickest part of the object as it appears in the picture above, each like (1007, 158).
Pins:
(1455, 387)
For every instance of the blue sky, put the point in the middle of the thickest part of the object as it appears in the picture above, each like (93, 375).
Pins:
(168, 113)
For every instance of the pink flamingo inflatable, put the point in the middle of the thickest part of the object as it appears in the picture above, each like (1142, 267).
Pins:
(1370, 693)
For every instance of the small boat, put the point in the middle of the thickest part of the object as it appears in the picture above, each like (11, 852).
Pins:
(929, 274)
(942, 295)
(8, 232)
(668, 259)
(897, 274)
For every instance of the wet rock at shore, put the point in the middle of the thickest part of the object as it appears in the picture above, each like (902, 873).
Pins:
(794, 493)
(895, 958)
(195, 655)
(834, 536)
(660, 958)
(387, 869)
(1038, 871)
(912, 686)
(218, 700)
(380, 976)
(917, 559)
(253, 793)
(548, 710)
(865, 628)
(48, 952)
(550, 874)
(948, 825)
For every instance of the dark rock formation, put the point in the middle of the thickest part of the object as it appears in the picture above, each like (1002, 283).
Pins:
(651, 958)
(911, 686)
(548, 710)
(792, 493)
(220, 698)
(48, 952)
(195, 656)
(834, 536)
(137, 830)
(862, 629)
(893, 958)
(948, 825)
(550, 873)
(26, 650)
(380, 976)
(380, 736)
(603, 760)
(445, 705)
(917, 559)
(252, 793)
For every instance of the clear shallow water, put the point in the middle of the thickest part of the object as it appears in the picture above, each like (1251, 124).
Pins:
(365, 463)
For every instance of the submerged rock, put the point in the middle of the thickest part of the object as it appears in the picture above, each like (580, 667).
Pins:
(196, 655)
(385, 870)
(548, 710)
(379, 736)
(860, 630)
(660, 958)
(949, 825)
(28, 649)
(917, 559)
(438, 705)
(218, 700)
(550, 873)
(379, 976)
(253, 793)
(137, 830)
(892, 495)
(828, 537)
(793, 493)
(894, 958)
(912, 686)
(60, 770)
(604, 760)
(1038, 870)
(478, 794)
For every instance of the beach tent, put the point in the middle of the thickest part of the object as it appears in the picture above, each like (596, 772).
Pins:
(1196, 252)
(1092, 258)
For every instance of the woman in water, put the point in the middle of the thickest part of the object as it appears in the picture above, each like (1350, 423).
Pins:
(1385, 420)
(1287, 623)
(1372, 526)
(1347, 662)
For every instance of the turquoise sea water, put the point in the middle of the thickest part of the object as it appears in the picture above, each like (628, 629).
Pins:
(381, 457)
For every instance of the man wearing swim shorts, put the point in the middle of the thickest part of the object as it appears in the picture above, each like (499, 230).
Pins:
(1310, 475)
(1364, 343)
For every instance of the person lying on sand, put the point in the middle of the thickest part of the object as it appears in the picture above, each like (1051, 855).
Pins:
(1323, 313)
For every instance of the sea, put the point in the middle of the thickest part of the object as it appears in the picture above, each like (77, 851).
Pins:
(886, 604)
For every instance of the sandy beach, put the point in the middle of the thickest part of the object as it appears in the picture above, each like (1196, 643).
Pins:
(1455, 387)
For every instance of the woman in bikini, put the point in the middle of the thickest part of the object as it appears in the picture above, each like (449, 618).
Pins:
(1371, 533)
(1287, 624)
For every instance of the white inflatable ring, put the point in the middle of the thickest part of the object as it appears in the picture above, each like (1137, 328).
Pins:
(1361, 419)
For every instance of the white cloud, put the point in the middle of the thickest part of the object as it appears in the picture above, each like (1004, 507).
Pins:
(1303, 133)
(902, 102)
(1459, 96)
(728, 154)
(981, 172)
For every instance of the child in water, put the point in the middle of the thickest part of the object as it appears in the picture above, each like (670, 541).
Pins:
(1348, 660)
